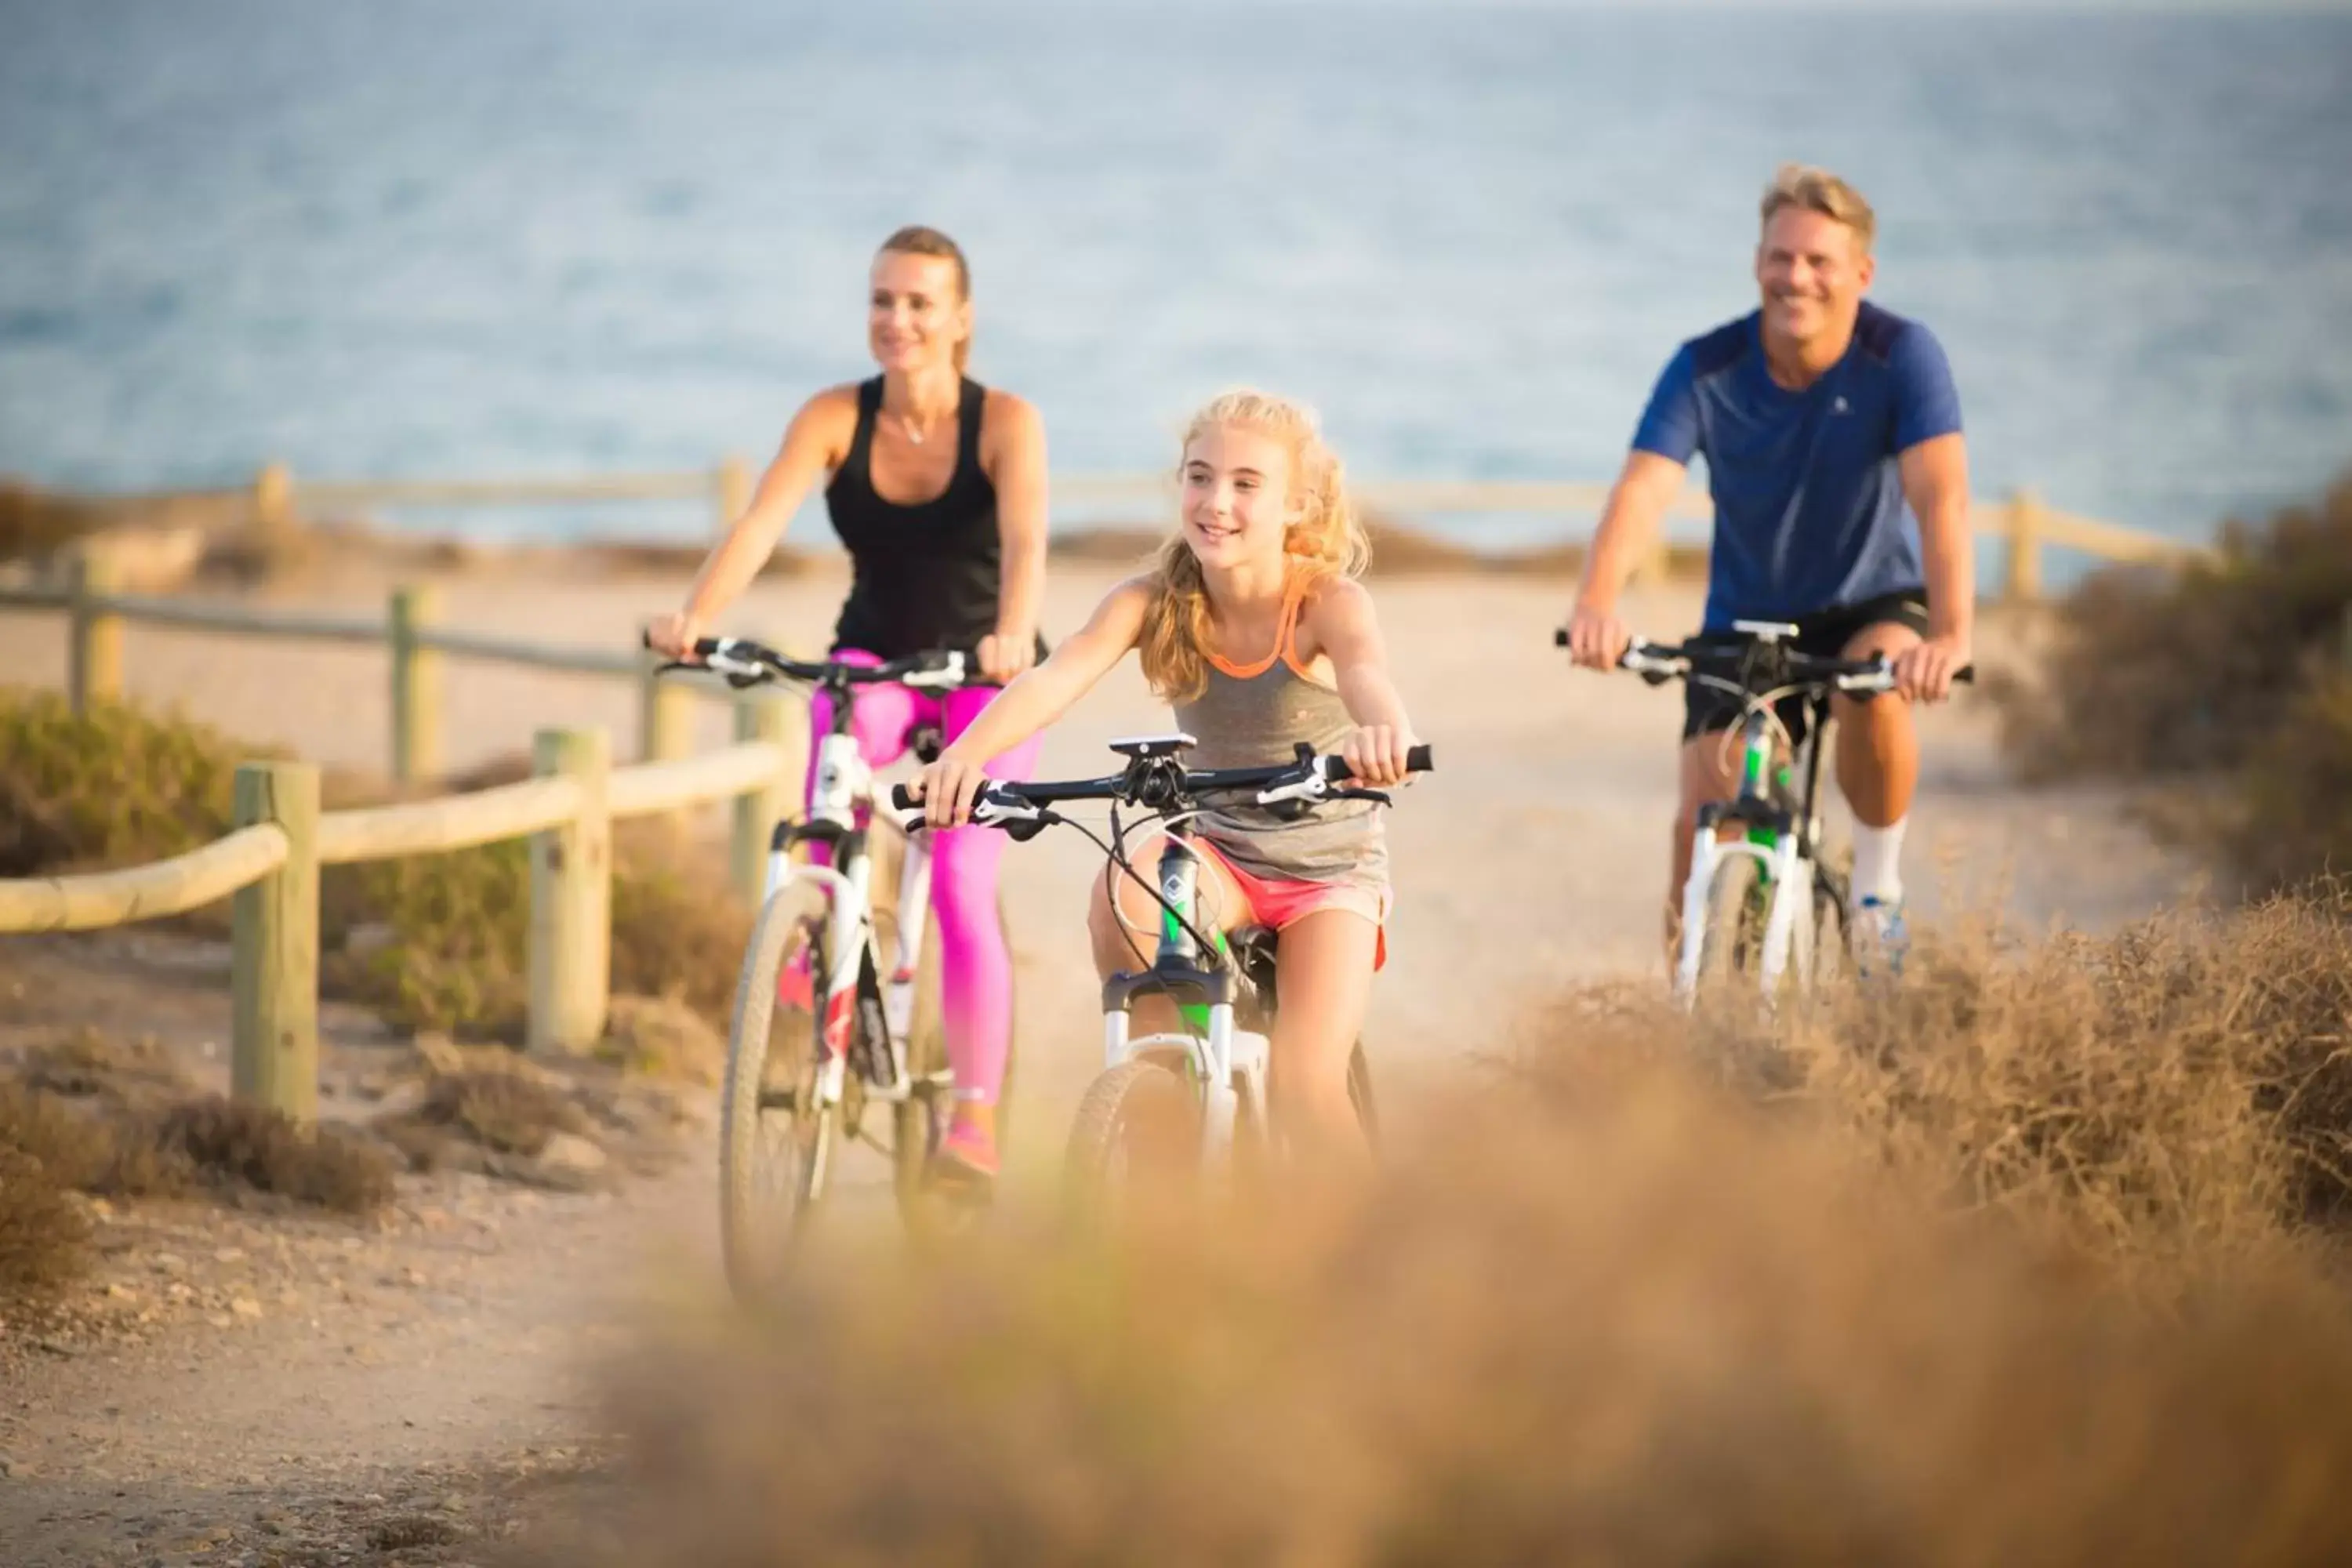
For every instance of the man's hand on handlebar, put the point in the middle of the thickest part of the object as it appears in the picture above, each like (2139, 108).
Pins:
(1925, 671)
(1597, 639)
(674, 636)
(1378, 755)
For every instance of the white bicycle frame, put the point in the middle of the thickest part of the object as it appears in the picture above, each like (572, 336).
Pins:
(1789, 875)
(844, 782)
(1216, 1058)
(1785, 937)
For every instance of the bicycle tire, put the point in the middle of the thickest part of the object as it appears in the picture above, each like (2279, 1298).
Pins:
(1731, 943)
(755, 1237)
(1833, 931)
(1139, 1107)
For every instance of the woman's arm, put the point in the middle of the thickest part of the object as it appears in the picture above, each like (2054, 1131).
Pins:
(1038, 698)
(1014, 459)
(817, 440)
(1339, 620)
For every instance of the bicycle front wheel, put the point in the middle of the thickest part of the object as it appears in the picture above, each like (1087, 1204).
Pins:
(1731, 946)
(776, 1142)
(1137, 1137)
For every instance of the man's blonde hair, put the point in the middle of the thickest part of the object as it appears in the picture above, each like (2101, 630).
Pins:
(1819, 190)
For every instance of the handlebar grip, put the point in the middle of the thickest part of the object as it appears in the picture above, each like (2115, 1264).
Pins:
(1418, 760)
(1559, 637)
(902, 801)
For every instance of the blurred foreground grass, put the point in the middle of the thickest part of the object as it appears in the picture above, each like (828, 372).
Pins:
(2031, 1260)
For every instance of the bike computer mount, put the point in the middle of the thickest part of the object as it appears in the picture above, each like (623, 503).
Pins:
(1152, 748)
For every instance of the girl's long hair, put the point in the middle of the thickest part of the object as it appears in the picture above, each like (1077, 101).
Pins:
(1326, 540)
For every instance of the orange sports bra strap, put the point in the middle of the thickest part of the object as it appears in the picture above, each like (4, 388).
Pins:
(1285, 637)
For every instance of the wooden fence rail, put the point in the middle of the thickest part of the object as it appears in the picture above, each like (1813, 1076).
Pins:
(410, 630)
(268, 866)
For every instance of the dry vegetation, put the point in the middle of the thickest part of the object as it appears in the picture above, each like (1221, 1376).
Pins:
(2029, 1260)
(2231, 678)
(440, 940)
(85, 1114)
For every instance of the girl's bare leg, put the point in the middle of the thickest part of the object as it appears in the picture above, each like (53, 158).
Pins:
(1324, 972)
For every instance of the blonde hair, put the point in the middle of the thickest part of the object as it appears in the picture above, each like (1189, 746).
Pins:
(1326, 538)
(1819, 190)
(917, 240)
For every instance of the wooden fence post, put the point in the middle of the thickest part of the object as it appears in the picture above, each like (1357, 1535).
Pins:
(734, 490)
(416, 684)
(273, 498)
(770, 717)
(572, 899)
(94, 635)
(274, 964)
(2022, 582)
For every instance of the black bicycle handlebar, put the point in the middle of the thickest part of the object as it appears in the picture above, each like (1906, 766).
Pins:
(752, 662)
(1117, 787)
(1801, 668)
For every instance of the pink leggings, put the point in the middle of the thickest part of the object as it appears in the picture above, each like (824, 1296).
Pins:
(975, 967)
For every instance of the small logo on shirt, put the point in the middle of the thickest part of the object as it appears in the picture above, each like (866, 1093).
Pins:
(1838, 407)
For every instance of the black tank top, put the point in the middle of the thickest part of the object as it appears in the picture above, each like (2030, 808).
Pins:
(924, 576)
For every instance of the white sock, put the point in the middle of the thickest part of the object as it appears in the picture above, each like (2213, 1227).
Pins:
(1877, 862)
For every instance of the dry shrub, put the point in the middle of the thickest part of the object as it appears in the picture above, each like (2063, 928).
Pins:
(502, 1110)
(88, 1062)
(33, 524)
(262, 1148)
(2151, 670)
(43, 1236)
(455, 956)
(1613, 1317)
(2182, 1086)
(659, 1037)
(106, 1149)
(2293, 817)
(2229, 680)
(112, 787)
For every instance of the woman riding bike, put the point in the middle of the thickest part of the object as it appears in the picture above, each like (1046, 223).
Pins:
(947, 542)
(1252, 625)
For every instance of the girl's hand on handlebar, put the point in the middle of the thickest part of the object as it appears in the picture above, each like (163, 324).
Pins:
(948, 789)
(1377, 753)
(674, 636)
(1597, 639)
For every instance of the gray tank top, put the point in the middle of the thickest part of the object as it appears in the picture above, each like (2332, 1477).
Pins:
(1253, 716)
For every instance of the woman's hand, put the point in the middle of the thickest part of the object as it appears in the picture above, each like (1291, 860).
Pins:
(674, 636)
(1376, 752)
(948, 788)
(1004, 656)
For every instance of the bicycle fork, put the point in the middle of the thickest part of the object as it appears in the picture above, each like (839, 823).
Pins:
(1788, 881)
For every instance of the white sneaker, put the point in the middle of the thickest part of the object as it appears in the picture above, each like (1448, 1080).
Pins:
(1881, 940)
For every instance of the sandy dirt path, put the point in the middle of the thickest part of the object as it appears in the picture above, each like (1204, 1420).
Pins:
(1532, 858)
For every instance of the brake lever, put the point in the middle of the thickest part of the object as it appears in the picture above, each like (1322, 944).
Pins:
(1352, 792)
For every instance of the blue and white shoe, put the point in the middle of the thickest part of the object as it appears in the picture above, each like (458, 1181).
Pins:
(1881, 940)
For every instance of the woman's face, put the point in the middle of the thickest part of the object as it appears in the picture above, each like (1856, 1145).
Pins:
(1235, 502)
(915, 315)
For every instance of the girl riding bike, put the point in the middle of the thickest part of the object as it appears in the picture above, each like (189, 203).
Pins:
(1251, 624)
(947, 542)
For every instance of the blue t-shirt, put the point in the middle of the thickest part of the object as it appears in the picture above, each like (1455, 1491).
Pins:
(1809, 509)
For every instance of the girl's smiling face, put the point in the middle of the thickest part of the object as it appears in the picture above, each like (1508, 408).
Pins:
(1236, 503)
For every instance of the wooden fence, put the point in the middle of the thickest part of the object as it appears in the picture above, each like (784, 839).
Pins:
(2027, 527)
(269, 864)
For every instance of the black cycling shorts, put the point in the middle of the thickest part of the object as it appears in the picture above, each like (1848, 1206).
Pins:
(1706, 710)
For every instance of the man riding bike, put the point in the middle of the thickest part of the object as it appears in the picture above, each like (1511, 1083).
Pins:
(1839, 473)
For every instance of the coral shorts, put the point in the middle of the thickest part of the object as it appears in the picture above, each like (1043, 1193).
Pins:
(1275, 903)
